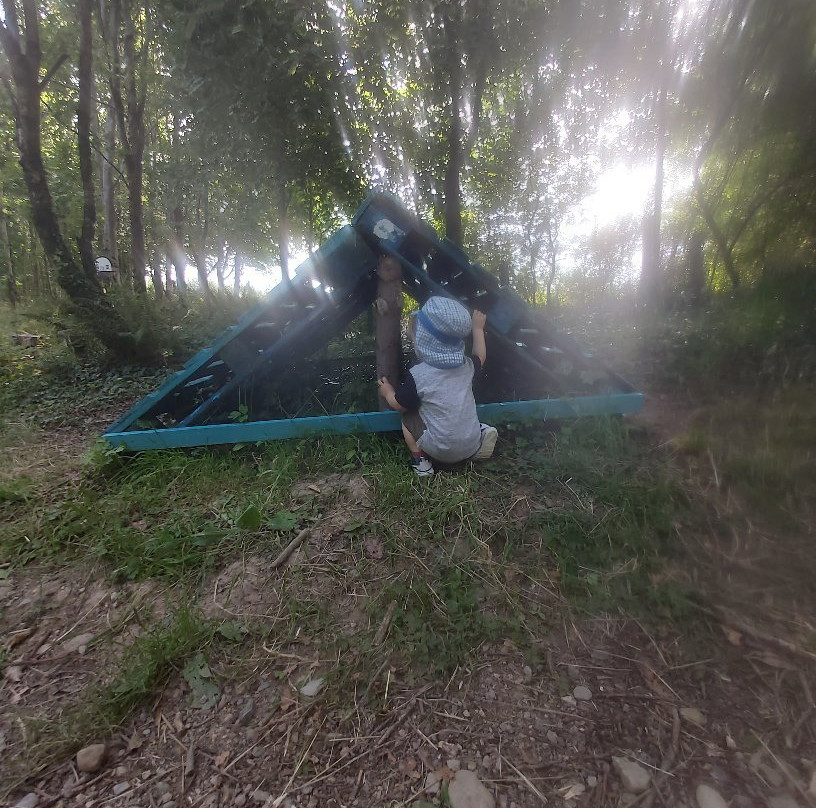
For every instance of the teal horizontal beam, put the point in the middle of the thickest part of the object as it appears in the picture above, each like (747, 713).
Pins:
(504, 412)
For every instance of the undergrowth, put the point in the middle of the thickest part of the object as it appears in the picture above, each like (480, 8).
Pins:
(762, 336)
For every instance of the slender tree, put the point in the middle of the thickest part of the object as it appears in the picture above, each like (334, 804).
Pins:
(20, 40)
(85, 112)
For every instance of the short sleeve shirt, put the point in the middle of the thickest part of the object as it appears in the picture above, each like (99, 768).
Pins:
(444, 399)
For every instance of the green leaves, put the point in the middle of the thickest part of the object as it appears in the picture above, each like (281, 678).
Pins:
(204, 692)
(282, 520)
(250, 519)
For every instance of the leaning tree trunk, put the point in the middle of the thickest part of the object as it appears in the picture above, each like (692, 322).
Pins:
(24, 57)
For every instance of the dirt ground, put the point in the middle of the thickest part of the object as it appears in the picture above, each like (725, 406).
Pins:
(606, 712)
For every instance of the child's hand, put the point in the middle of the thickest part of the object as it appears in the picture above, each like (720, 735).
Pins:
(479, 320)
(385, 387)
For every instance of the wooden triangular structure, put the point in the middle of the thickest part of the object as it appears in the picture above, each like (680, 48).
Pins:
(235, 391)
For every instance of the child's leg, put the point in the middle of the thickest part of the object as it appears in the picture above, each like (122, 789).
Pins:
(489, 437)
(412, 428)
(410, 441)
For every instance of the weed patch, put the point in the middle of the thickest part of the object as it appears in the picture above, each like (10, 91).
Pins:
(607, 505)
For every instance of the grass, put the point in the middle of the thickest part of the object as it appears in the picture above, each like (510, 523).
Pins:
(761, 447)
(578, 519)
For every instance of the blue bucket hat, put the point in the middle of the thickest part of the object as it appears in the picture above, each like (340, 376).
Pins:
(441, 327)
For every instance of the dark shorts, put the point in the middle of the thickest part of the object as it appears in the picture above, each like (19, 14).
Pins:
(414, 424)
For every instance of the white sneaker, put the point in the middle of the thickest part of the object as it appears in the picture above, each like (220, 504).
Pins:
(489, 438)
(422, 466)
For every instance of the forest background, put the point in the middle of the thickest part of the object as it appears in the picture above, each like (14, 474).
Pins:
(187, 141)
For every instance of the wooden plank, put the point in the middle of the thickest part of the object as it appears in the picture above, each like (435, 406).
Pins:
(503, 412)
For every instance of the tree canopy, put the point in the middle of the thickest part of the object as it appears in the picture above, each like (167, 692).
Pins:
(170, 134)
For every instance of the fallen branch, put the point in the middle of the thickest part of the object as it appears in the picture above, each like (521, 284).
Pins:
(289, 549)
(525, 780)
(386, 622)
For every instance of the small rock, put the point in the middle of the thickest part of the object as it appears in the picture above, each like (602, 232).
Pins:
(782, 801)
(574, 672)
(552, 737)
(239, 800)
(592, 781)
(260, 796)
(432, 784)
(312, 687)
(29, 801)
(454, 765)
(526, 674)
(693, 715)
(163, 787)
(91, 758)
(708, 797)
(582, 693)
(246, 713)
(467, 791)
(79, 643)
(634, 777)
(121, 788)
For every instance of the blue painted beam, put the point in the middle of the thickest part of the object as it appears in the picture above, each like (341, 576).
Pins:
(503, 412)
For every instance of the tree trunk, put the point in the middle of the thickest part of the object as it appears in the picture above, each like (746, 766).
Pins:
(168, 275)
(130, 114)
(177, 253)
(200, 253)
(283, 228)
(534, 252)
(110, 242)
(650, 274)
(156, 272)
(453, 169)
(720, 240)
(236, 279)
(25, 72)
(220, 265)
(6, 261)
(85, 110)
(388, 322)
(552, 255)
(695, 269)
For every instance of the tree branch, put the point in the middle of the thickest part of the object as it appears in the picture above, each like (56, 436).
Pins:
(54, 68)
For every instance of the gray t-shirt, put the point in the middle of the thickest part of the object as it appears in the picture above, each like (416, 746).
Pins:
(447, 407)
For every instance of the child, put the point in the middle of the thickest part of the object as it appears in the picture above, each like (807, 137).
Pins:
(436, 397)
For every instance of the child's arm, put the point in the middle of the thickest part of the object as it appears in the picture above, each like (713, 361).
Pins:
(479, 347)
(387, 392)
